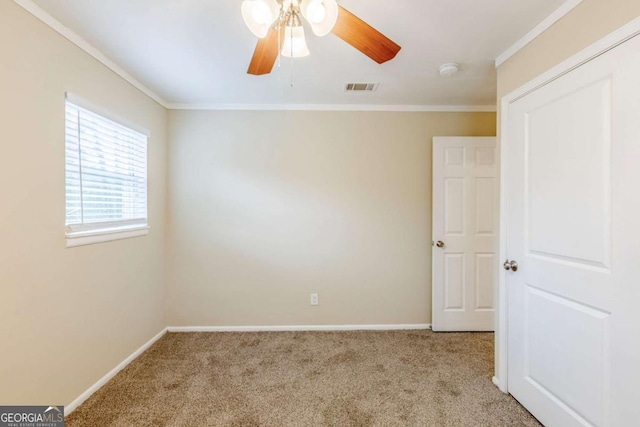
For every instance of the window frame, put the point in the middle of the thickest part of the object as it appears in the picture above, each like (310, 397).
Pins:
(86, 234)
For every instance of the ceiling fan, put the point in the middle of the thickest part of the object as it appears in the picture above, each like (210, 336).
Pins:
(278, 24)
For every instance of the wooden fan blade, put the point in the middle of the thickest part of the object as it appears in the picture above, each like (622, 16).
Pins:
(364, 37)
(265, 54)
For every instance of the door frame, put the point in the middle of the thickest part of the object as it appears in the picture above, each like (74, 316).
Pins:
(605, 44)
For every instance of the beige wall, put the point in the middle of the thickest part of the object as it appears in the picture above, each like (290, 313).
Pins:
(67, 316)
(267, 207)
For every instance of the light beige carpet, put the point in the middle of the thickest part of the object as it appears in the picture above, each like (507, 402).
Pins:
(394, 378)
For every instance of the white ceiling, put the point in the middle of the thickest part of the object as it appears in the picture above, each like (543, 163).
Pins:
(197, 51)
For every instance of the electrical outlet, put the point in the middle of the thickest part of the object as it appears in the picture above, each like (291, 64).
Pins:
(314, 299)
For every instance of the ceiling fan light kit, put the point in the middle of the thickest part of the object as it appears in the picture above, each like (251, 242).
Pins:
(279, 26)
(260, 15)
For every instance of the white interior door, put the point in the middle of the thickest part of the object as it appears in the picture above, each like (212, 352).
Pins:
(465, 231)
(572, 165)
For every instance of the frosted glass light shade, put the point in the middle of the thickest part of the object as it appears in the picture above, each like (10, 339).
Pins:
(295, 45)
(321, 14)
(259, 15)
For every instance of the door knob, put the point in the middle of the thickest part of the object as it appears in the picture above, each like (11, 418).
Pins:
(440, 244)
(510, 265)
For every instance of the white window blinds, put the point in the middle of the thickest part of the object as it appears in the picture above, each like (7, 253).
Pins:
(106, 173)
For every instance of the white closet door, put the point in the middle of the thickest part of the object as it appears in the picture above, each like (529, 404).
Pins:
(572, 164)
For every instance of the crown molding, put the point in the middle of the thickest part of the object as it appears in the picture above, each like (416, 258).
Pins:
(565, 8)
(74, 38)
(334, 107)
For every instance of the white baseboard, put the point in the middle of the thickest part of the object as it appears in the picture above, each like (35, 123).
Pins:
(389, 327)
(102, 381)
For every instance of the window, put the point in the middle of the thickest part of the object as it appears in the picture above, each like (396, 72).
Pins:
(106, 178)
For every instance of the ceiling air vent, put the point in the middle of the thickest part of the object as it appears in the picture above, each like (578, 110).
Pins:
(360, 87)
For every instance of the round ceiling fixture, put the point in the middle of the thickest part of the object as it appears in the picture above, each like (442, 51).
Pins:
(449, 69)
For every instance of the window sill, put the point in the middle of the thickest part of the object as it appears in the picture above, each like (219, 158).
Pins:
(81, 238)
